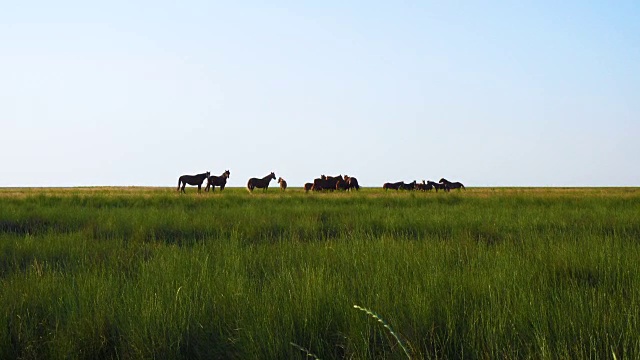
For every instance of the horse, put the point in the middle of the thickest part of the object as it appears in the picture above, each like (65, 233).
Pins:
(424, 186)
(437, 186)
(283, 184)
(452, 185)
(332, 180)
(320, 183)
(342, 184)
(221, 181)
(393, 186)
(192, 180)
(308, 186)
(326, 182)
(351, 182)
(409, 186)
(260, 183)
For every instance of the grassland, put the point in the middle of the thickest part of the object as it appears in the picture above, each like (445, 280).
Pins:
(479, 274)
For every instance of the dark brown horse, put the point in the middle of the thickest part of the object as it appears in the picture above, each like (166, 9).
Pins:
(451, 185)
(260, 183)
(437, 186)
(326, 182)
(424, 186)
(392, 186)
(283, 184)
(409, 186)
(192, 180)
(308, 187)
(352, 183)
(342, 184)
(221, 181)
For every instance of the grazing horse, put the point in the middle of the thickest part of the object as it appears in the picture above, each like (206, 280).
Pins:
(342, 184)
(320, 183)
(332, 181)
(260, 183)
(409, 186)
(283, 184)
(437, 186)
(393, 186)
(308, 186)
(326, 182)
(351, 182)
(192, 180)
(424, 186)
(221, 181)
(452, 185)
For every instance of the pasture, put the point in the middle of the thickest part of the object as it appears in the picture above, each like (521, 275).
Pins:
(129, 273)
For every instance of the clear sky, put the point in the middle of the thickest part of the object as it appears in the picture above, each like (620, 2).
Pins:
(489, 93)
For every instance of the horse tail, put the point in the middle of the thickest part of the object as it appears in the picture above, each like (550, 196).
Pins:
(249, 186)
(179, 181)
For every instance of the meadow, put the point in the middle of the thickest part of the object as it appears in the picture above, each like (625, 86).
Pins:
(133, 273)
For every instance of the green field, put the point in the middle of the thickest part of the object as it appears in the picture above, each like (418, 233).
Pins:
(479, 274)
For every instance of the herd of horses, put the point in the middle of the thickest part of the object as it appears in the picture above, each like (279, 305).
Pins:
(331, 183)
(323, 183)
(429, 185)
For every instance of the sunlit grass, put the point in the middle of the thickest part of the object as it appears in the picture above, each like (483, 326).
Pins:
(486, 273)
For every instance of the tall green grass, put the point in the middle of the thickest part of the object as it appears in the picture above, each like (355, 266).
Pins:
(486, 273)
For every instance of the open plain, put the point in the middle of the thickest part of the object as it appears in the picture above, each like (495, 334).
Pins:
(485, 273)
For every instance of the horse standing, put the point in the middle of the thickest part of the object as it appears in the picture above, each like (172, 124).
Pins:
(409, 186)
(221, 181)
(260, 183)
(393, 186)
(283, 184)
(351, 182)
(308, 186)
(192, 180)
(437, 186)
(424, 186)
(452, 185)
(326, 182)
(342, 184)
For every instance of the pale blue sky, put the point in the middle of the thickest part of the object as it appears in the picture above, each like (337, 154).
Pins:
(492, 93)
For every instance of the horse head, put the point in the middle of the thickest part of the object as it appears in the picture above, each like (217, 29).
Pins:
(272, 175)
